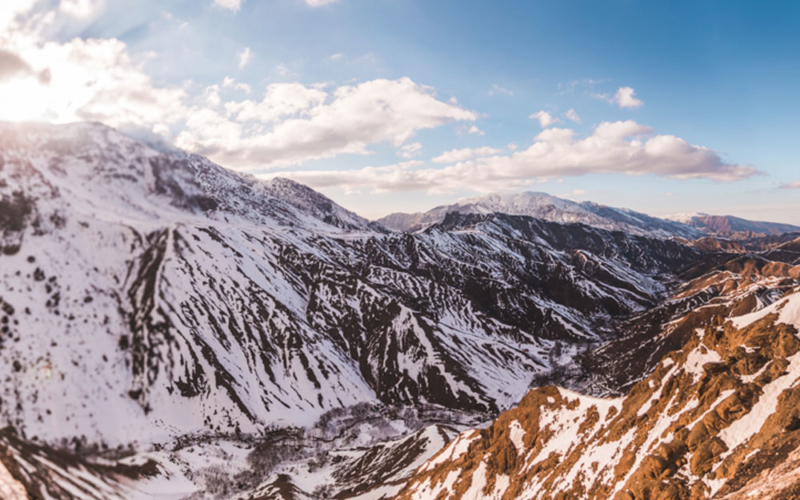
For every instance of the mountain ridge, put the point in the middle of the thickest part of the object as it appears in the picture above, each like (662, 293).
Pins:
(552, 208)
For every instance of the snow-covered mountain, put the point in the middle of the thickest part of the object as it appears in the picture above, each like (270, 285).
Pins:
(172, 329)
(550, 208)
(152, 297)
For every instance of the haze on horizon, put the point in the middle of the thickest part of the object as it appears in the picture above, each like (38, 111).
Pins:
(391, 105)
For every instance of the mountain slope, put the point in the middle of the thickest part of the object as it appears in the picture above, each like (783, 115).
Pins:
(712, 421)
(550, 208)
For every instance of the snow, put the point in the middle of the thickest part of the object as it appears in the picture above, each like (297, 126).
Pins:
(788, 310)
(10, 488)
(454, 450)
(429, 491)
(699, 357)
(740, 431)
(516, 435)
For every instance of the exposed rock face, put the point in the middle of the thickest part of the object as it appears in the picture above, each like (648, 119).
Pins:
(712, 421)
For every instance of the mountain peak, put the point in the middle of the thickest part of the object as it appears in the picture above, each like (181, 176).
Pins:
(127, 176)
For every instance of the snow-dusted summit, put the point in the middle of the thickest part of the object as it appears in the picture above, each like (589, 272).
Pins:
(550, 208)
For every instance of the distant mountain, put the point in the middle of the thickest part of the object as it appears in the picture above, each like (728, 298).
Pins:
(729, 226)
(550, 208)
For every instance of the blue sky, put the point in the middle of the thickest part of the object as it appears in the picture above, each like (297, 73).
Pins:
(708, 91)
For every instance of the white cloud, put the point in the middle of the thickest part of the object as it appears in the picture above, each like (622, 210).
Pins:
(624, 98)
(211, 96)
(457, 155)
(91, 80)
(545, 119)
(496, 89)
(613, 148)
(232, 5)
(399, 177)
(98, 80)
(336, 57)
(80, 9)
(317, 3)
(280, 100)
(229, 82)
(244, 57)
(792, 185)
(410, 150)
(315, 123)
(10, 11)
(474, 129)
(571, 115)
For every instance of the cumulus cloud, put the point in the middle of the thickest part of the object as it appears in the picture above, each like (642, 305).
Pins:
(572, 116)
(317, 3)
(315, 123)
(545, 118)
(232, 5)
(474, 129)
(625, 98)
(791, 185)
(623, 147)
(244, 57)
(457, 155)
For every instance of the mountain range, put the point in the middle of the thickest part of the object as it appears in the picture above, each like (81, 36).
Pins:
(172, 329)
(550, 208)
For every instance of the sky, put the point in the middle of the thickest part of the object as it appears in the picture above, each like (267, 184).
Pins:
(402, 105)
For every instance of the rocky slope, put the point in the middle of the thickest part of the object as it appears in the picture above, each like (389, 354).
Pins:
(717, 418)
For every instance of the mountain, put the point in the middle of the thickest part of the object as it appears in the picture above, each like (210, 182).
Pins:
(732, 227)
(159, 307)
(172, 329)
(716, 418)
(550, 208)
